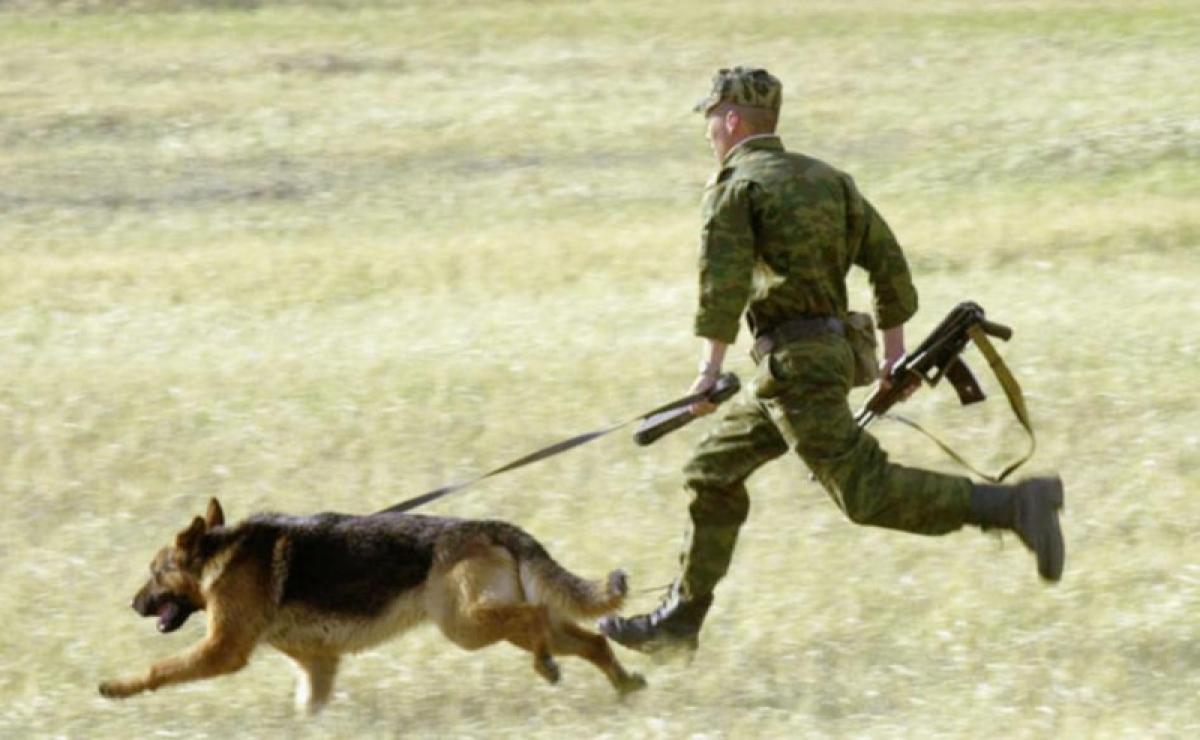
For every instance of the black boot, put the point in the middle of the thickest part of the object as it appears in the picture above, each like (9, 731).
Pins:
(1030, 508)
(674, 624)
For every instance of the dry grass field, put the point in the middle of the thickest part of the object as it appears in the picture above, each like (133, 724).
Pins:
(329, 255)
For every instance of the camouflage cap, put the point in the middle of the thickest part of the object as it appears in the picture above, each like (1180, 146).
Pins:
(748, 86)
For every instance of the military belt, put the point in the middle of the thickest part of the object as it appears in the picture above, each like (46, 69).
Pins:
(792, 330)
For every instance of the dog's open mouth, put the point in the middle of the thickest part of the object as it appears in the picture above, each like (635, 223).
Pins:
(171, 610)
(172, 613)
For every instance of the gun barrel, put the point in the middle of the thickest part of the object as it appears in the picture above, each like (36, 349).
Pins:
(864, 418)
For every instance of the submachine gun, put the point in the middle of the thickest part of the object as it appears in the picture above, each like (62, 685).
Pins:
(939, 356)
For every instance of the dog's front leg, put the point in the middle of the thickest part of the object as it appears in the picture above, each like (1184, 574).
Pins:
(212, 657)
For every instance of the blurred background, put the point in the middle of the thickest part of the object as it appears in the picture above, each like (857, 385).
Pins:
(309, 256)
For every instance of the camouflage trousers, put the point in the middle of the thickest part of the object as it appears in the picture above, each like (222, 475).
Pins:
(798, 401)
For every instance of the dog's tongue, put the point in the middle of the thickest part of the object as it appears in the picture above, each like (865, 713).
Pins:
(168, 613)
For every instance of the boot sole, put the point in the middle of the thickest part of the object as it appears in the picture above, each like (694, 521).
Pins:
(1051, 549)
(663, 645)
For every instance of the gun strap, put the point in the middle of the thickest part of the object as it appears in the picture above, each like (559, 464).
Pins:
(1016, 400)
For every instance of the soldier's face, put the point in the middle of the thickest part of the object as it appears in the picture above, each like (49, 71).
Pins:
(716, 132)
(724, 130)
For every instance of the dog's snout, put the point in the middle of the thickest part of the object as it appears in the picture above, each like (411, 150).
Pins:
(142, 601)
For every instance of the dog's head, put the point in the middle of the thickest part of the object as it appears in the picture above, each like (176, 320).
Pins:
(174, 590)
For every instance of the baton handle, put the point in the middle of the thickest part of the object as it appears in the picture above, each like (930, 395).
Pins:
(662, 424)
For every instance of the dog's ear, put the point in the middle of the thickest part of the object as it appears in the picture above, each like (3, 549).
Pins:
(190, 537)
(214, 517)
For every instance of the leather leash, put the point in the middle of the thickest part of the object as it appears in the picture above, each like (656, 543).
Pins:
(542, 454)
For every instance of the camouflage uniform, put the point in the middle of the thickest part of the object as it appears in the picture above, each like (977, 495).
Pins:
(780, 232)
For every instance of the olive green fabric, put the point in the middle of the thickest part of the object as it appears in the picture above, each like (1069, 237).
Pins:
(780, 232)
(798, 401)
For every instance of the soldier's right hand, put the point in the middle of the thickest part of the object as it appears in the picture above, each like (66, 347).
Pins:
(702, 384)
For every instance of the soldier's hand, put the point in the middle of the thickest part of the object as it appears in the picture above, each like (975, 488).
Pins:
(703, 383)
(911, 383)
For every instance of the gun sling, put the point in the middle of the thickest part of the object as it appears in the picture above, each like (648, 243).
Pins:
(1016, 400)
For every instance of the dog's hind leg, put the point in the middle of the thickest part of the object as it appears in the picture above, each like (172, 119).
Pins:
(567, 638)
(314, 682)
(525, 625)
(478, 601)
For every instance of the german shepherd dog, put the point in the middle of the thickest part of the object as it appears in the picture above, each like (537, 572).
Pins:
(317, 587)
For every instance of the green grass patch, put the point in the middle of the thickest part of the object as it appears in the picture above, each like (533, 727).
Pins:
(312, 256)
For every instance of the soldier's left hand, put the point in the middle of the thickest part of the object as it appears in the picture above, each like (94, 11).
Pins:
(886, 380)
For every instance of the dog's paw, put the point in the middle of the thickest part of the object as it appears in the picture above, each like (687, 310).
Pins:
(618, 583)
(547, 668)
(631, 683)
(118, 689)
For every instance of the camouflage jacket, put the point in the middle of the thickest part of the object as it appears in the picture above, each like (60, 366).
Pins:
(781, 231)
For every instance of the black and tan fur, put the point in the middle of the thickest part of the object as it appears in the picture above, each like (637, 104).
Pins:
(317, 587)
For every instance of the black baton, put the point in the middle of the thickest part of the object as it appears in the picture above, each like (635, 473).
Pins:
(668, 421)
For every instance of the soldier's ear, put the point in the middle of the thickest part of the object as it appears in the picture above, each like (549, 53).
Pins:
(214, 517)
(732, 120)
(190, 537)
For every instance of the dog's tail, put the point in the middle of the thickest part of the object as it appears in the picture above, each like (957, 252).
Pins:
(547, 582)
